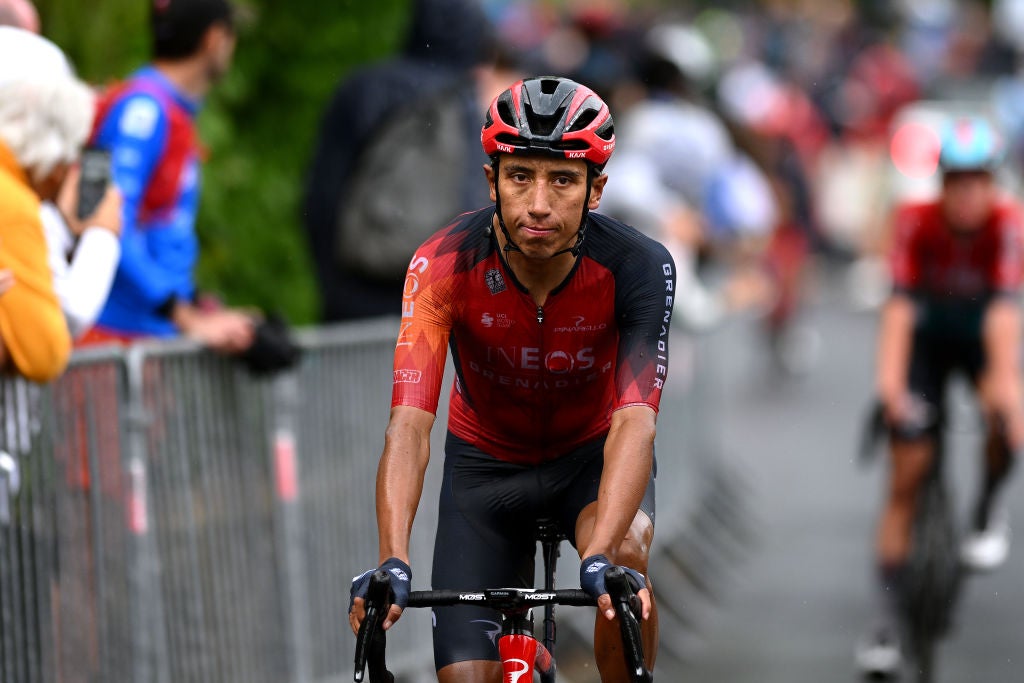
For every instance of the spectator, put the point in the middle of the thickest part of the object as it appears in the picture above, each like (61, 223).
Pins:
(148, 124)
(83, 253)
(45, 115)
(83, 258)
(20, 14)
(446, 50)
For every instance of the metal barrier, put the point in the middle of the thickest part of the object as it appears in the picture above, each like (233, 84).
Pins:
(166, 517)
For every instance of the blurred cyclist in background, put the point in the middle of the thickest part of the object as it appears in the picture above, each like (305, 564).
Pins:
(957, 265)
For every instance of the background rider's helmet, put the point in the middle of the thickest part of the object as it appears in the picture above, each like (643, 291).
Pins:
(970, 143)
(553, 116)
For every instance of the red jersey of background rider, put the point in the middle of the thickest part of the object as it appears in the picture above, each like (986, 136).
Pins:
(929, 258)
(534, 382)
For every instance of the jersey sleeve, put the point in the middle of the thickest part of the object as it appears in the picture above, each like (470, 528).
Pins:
(904, 264)
(645, 296)
(1009, 267)
(136, 132)
(422, 345)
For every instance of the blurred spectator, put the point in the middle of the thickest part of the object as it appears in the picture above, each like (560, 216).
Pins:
(83, 258)
(20, 14)
(148, 124)
(83, 253)
(45, 115)
(368, 202)
(687, 185)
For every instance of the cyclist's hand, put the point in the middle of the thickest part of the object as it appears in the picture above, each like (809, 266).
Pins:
(401, 581)
(592, 571)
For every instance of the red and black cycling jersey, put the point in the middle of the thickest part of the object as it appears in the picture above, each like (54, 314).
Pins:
(532, 383)
(932, 260)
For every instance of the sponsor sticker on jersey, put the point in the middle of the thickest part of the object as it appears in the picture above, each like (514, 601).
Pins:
(495, 281)
(139, 118)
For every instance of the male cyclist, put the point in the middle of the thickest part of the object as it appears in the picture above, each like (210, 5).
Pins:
(957, 268)
(558, 321)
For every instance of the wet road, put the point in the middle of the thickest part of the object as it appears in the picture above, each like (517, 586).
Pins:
(793, 604)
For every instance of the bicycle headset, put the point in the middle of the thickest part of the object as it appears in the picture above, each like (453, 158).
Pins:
(550, 116)
(970, 143)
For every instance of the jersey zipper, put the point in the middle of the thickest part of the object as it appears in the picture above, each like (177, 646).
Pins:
(540, 315)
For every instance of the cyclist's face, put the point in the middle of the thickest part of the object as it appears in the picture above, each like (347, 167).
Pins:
(968, 198)
(542, 201)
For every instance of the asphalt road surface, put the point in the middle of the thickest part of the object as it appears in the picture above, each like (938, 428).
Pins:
(793, 606)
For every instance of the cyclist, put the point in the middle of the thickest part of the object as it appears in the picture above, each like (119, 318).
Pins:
(957, 266)
(558, 322)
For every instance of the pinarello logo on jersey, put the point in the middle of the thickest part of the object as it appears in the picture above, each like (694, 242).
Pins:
(580, 325)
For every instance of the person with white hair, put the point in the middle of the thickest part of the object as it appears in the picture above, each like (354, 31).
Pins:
(84, 251)
(45, 115)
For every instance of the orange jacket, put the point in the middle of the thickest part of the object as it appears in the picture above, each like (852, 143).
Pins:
(32, 324)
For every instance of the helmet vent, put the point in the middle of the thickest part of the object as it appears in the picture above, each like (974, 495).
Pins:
(548, 86)
(583, 120)
(505, 112)
(606, 131)
(543, 125)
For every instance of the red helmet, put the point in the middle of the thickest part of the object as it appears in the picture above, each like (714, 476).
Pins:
(550, 115)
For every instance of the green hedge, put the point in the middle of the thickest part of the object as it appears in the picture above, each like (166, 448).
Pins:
(259, 125)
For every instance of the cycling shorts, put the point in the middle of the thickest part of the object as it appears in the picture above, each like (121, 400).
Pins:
(486, 534)
(934, 359)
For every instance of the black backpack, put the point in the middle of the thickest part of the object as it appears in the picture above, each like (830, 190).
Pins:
(410, 182)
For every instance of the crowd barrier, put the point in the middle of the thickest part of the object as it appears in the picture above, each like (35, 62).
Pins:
(166, 517)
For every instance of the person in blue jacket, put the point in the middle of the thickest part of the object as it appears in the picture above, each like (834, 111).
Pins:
(148, 124)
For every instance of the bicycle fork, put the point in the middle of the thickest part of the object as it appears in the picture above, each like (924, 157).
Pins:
(521, 653)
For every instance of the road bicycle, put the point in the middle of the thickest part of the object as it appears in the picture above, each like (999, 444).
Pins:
(935, 573)
(519, 650)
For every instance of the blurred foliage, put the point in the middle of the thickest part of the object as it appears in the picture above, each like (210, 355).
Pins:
(259, 125)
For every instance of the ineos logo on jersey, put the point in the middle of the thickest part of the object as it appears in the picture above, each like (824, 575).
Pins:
(557, 362)
(417, 267)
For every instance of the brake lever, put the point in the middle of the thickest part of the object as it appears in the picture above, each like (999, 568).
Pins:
(371, 640)
(629, 609)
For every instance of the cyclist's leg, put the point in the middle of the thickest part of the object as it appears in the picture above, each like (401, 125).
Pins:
(482, 542)
(579, 511)
(912, 448)
(1000, 397)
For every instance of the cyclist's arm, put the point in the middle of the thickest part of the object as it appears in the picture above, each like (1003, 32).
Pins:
(894, 346)
(400, 478)
(628, 458)
(896, 324)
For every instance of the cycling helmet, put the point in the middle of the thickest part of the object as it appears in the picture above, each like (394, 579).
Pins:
(550, 115)
(970, 143)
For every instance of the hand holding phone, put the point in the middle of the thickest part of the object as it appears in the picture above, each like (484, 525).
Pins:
(93, 180)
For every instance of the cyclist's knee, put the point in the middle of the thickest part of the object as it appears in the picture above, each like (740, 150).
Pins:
(908, 468)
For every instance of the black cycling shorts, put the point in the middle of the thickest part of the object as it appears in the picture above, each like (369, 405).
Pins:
(933, 361)
(486, 532)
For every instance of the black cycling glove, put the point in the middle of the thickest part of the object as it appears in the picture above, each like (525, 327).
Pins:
(592, 571)
(401, 580)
